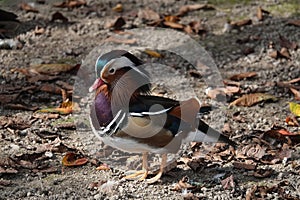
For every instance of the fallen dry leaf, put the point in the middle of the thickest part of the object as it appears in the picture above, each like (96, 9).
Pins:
(228, 182)
(103, 166)
(251, 99)
(187, 8)
(295, 108)
(241, 76)
(20, 107)
(284, 52)
(243, 165)
(148, 14)
(173, 25)
(171, 18)
(291, 121)
(196, 26)
(153, 53)
(241, 23)
(59, 16)
(71, 159)
(183, 184)
(51, 88)
(70, 4)
(296, 93)
(295, 80)
(51, 69)
(67, 107)
(28, 7)
(116, 24)
(118, 8)
(295, 22)
(39, 30)
(259, 14)
(263, 173)
(287, 44)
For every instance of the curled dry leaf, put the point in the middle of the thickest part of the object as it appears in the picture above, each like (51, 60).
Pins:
(183, 184)
(51, 69)
(296, 93)
(173, 25)
(228, 182)
(295, 22)
(118, 8)
(59, 16)
(171, 18)
(153, 53)
(291, 121)
(242, 22)
(251, 99)
(295, 108)
(241, 76)
(263, 173)
(284, 52)
(67, 107)
(70, 4)
(287, 44)
(103, 166)
(187, 8)
(243, 165)
(148, 14)
(28, 8)
(116, 24)
(72, 159)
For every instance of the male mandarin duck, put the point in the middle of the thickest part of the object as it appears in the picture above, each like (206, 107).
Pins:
(126, 116)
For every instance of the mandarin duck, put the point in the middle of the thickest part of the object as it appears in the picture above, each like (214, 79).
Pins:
(126, 116)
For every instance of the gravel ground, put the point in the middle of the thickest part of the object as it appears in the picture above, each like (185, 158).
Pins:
(26, 137)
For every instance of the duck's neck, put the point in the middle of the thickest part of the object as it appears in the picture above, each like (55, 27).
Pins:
(101, 113)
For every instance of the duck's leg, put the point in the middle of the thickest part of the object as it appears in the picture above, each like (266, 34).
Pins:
(143, 172)
(161, 170)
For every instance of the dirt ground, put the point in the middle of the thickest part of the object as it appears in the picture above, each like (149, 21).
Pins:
(33, 144)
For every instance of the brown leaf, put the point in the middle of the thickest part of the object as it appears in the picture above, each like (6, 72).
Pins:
(72, 159)
(262, 173)
(45, 116)
(259, 14)
(251, 99)
(197, 27)
(187, 8)
(274, 54)
(242, 165)
(291, 121)
(153, 53)
(284, 52)
(120, 41)
(295, 22)
(241, 76)
(59, 16)
(242, 22)
(226, 128)
(70, 4)
(50, 88)
(296, 93)
(228, 182)
(118, 8)
(296, 80)
(51, 69)
(183, 184)
(173, 25)
(28, 8)
(171, 18)
(148, 14)
(20, 107)
(287, 44)
(39, 30)
(116, 24)
(103, 166)
(7, 98)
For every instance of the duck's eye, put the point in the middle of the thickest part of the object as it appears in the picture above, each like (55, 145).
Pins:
(111, 71)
